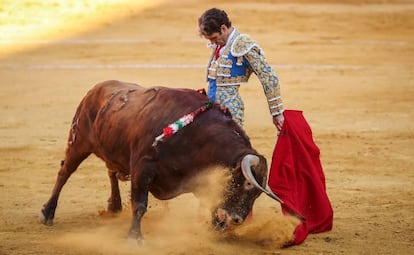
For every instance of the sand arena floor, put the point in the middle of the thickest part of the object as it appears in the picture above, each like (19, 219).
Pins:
(348, 66)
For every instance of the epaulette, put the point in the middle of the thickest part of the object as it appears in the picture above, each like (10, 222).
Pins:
(243, 44)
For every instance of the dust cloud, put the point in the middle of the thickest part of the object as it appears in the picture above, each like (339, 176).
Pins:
(183, 225)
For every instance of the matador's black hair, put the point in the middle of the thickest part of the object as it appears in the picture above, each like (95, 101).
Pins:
(211, 21)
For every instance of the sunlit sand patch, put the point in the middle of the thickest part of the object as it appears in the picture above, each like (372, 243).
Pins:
(26, 24)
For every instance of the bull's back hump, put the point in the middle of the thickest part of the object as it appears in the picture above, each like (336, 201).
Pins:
(112, 86)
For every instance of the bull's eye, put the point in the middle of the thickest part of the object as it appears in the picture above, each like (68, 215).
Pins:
(248, 185)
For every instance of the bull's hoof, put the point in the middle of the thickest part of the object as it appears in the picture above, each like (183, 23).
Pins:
(114, 208)
(135, 241)
(135, 238)
(45, 220)
(114, 205)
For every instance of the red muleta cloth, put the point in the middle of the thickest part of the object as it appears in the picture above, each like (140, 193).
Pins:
(297, 177)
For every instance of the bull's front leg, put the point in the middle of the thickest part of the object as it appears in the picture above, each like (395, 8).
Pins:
(139, 204)
(141, 179)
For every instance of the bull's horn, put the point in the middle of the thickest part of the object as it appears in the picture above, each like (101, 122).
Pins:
(253, 160)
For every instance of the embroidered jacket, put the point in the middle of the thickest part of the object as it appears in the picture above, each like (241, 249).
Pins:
(240, 57)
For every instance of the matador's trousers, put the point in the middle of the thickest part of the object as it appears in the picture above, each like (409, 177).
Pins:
(228, 96)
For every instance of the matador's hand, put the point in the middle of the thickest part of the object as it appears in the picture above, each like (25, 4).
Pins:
(278, 121)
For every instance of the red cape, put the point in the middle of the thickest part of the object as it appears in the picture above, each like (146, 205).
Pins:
(296, 176)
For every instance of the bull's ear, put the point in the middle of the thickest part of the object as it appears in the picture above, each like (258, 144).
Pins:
(236, 166)
(250, 161)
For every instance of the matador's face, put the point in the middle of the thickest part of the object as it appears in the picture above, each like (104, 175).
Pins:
(219, 38)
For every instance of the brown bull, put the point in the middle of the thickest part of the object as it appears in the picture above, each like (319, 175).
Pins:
(121, 123)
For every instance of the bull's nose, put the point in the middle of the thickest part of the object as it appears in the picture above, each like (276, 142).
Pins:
(236, 220)
(221, 214)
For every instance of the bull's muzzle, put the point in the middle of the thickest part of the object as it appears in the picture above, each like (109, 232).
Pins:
(223, 220)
